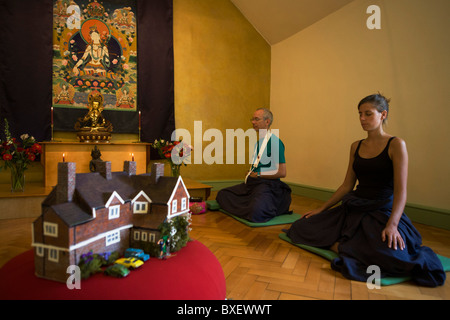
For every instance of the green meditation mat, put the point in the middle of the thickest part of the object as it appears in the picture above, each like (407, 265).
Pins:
(212, 205)
(330, 255)
(283, 219)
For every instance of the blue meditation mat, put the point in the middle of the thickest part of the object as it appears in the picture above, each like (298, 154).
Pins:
(283, 219)
(330, 255)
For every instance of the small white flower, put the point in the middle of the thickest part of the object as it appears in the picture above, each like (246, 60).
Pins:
(173, 231)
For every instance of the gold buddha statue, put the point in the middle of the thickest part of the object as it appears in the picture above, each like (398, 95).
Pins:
(93, 127)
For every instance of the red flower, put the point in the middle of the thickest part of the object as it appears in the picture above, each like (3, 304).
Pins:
(36, 148)
(166, 150)
(17, 152)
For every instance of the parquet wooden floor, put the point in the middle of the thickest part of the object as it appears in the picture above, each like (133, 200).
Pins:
(260, 266)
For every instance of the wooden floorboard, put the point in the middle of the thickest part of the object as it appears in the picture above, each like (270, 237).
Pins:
(259, 266)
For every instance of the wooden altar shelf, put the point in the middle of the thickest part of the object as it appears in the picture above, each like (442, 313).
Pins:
(80, 152)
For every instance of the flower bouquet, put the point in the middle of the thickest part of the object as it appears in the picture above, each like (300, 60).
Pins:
(176, 152)
(17, 155)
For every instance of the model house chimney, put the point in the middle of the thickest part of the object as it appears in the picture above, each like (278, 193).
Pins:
(66, 181)
(130, 167)
(104, 168)
(157, 171)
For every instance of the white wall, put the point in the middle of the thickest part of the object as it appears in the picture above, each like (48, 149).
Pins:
(320, 74)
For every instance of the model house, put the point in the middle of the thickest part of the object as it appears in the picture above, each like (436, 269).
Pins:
(103, 211)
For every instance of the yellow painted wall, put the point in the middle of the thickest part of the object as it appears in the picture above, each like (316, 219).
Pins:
(320, 74)
(222, 74)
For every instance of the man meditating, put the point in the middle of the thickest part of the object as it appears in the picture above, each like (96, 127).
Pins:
(263, 195)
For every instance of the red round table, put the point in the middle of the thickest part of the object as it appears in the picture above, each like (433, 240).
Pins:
(193, 273)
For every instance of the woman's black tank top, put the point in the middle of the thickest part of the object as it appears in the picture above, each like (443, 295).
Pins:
(375, 175)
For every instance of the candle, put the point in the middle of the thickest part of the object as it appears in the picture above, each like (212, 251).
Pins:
(132, 157)
(51, 115)
(64, 159)
(139, 120)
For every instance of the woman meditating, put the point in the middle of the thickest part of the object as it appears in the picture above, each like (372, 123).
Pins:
(369, 226)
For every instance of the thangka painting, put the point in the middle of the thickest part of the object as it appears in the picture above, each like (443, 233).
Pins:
(94, 49)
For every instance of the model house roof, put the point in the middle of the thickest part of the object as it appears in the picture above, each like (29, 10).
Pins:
(94, 190)
(72, 214)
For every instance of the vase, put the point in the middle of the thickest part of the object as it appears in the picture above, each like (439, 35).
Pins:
(17, 177)
(175, 170)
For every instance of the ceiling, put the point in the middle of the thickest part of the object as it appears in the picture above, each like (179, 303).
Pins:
(277, 20)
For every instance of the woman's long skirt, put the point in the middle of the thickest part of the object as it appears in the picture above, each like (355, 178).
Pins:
(357, 225)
